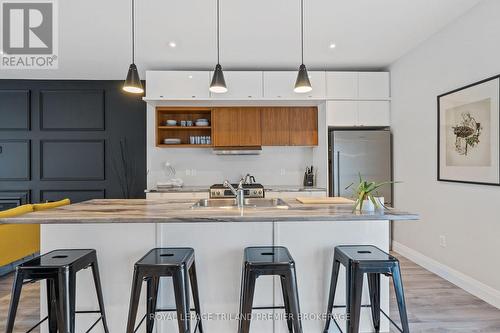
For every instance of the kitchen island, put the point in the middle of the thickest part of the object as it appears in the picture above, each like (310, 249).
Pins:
(122, 231)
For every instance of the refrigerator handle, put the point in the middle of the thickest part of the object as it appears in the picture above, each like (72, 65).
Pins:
(338, 173)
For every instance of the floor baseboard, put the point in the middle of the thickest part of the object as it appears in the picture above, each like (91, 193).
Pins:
(467, 283)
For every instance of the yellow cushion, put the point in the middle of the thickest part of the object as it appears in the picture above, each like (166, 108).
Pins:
(20, 210)
(49, 205)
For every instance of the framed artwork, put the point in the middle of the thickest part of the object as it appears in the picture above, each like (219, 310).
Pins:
(469, 134)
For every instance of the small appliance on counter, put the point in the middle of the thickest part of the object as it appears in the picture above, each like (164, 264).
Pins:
(309, 177)
(171, 181)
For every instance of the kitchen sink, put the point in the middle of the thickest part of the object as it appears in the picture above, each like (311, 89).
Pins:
(248, 203)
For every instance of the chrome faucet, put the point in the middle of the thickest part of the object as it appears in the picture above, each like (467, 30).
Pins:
(238, 192)
(249, 179)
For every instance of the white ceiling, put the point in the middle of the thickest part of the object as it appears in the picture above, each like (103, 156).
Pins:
(94, 35)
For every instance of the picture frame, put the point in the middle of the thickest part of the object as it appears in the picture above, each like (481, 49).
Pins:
(468, 134)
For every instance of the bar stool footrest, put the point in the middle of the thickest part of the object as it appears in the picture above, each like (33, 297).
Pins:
(366, 306)
(82, 312)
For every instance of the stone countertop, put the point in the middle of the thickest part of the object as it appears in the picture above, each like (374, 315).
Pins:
(180, 211)
(269, 188)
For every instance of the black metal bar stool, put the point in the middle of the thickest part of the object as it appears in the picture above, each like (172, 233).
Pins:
(358, 260)
(59, 269)
(269, 260)
(178, 263)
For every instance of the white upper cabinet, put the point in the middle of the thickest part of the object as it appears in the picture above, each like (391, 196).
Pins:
(374, 113)
(241, 85)
(342, 85)
(358, 113)
(281, 84)
(342, 113)
(374, 85)
(177, 84)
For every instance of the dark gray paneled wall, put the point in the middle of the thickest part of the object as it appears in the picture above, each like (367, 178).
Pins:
(61, 139)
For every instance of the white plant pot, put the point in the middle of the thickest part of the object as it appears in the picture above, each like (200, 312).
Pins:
(380, 201)
(368, 206)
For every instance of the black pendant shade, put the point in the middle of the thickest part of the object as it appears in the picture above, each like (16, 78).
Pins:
(302, 84)
(133, 82)
(218, 84)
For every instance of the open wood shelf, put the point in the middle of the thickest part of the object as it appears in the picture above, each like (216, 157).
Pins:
(182, 132)
(162, 145)
(187, 128)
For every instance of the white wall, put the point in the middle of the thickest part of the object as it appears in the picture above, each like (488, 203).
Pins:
(275, 165)
(466, 51)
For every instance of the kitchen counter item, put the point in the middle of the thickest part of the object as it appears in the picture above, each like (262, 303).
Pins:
(292, 188)
(180, 211)
(325, 200)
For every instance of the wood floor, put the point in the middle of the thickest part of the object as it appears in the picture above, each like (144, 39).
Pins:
(434, 305)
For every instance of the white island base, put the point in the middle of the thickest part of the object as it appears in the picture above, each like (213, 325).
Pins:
(219, 253)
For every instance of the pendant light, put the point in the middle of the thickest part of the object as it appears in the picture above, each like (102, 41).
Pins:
(302, 84)
(133, 83)
(218, 84)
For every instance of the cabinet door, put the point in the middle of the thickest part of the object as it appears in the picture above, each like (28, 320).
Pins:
(374, 85)
(225, 127)
(318, 84)
(249, 126)
(275, 127)
(342, 85)
(374, 113)
(281, 84)
(177, 84)
(241, 85)
(303, 126)
(342, 113)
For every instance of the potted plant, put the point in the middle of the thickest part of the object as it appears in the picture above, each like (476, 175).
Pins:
(365, 200)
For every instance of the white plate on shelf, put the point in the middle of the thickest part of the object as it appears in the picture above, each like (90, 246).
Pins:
(171, 122)
(201, 123)
(172, 141)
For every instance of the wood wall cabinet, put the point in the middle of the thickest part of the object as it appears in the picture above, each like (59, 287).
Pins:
(303, 123)
(275, 126)
(289, 126)
(236, 127)
(240, 126)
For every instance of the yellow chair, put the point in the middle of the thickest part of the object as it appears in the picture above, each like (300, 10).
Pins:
(50, 205)
(18, 241)
(20, 210)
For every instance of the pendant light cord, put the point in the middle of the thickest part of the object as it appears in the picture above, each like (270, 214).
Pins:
(302, 28)
(218, 31)
(133, 32)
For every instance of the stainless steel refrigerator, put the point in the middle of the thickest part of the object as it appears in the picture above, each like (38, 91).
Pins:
(365, 152)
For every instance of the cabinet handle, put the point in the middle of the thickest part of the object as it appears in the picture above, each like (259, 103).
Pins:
(1, 149)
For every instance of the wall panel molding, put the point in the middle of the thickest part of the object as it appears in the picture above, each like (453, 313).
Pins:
(11, 154)
(75, 195)
(72, 110)
(82, 160)
(15, 112)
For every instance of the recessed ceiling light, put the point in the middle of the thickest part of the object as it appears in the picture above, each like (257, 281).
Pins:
(172, 44)
(332, 45)
(190, 76)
